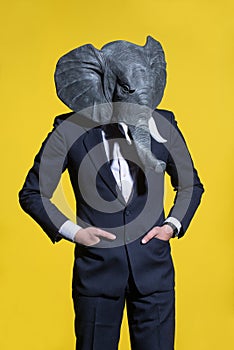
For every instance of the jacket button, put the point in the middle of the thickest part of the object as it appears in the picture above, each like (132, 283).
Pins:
(127, 212)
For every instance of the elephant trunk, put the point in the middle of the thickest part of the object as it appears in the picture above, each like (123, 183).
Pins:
(142, 139)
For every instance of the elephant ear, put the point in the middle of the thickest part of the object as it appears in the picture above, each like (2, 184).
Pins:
(83, 80)
(157, 62)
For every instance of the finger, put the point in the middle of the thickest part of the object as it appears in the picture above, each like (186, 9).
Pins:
(105, 234)
(151, 234)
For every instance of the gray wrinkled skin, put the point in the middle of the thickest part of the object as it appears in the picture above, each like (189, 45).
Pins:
(120, 72)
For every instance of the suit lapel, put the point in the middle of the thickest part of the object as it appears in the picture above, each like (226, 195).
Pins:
(99, 159)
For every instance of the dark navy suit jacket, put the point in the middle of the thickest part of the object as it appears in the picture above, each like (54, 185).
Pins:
(76, 144)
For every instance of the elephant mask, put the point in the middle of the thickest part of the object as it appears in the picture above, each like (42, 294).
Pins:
(122, 82)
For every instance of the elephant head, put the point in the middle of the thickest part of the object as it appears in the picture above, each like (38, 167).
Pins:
(122, 82)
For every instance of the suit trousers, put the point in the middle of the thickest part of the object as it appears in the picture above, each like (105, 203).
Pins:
(151, 319)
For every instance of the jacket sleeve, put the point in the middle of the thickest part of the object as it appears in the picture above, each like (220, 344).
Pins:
(184, 179)
(41, 182)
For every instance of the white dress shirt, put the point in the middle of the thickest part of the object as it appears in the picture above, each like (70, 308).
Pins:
(123, 178)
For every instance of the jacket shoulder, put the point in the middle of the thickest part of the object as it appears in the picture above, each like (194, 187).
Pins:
(167, 114)
(61, 118)
(75, 118)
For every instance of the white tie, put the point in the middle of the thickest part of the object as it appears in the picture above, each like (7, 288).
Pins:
(121, 172)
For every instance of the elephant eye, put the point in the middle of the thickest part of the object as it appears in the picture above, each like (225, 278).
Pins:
(127, 89)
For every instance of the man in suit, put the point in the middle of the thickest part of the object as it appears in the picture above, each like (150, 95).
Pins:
(122, 248)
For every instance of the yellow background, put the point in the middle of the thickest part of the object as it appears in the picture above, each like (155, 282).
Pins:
(36, 307)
